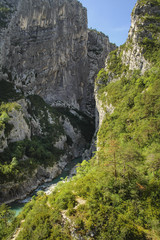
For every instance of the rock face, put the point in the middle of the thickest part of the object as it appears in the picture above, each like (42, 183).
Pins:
(133, 55)
(19, 128)
(12, 191)
(130, 56)
(45, 50)
(3, 141)
(98, 49)
(27, 122)
(48, 51)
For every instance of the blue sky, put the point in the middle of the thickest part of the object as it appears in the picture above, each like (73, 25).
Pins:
(112, 17)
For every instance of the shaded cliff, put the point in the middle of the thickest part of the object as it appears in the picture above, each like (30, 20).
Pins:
(98, 49)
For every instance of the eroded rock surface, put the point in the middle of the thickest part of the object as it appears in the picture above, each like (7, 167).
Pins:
(47, 50)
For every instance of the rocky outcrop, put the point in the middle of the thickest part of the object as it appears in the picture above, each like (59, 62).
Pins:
(133, 54)
(130, 56)
(27, 121)
(7, 8)
(12, 191)
(78, 141)
(18, 128)
(98, 49)
(89, 153)
(47, 50)
(101, 110)
(3, 141)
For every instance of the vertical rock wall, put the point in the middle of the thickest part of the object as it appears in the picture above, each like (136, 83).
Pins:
(98, 49)
(46, 50)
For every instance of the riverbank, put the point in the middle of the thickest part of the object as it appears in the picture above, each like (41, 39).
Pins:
(47, 187)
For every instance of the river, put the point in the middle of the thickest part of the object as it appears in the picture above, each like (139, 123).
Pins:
(48, 187)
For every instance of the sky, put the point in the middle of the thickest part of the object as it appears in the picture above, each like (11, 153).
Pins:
(112, 17)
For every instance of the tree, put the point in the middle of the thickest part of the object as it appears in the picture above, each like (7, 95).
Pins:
(112, 150)
(4, 117)
(6, 216)
(14, 162)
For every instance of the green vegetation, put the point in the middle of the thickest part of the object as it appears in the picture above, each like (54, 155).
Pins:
(6, 216)
(27, 154)
(115, 68)
(96, 31)
(115, 64)
(40, 110)
(5, 109)
(46, 224)
(149, 28)
(99, 203)
(19, 160)
(7, 92)
(114, 196)
(146, 2)
(80, 121)
(4, 11)
(151, 42)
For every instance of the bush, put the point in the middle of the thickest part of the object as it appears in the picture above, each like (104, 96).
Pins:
(65, 199)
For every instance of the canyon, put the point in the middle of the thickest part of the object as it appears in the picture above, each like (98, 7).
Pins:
(49, 60)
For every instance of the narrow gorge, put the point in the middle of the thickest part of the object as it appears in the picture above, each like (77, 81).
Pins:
(65, 92)
(49, 60)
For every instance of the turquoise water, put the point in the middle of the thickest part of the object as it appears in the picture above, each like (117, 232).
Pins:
(17, 206)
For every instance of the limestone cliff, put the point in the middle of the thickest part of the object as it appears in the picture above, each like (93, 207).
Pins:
(119, 186)
(133, 54)
(37, 142)
(128, 57)
(46, 48)
(98, 49)
(128, 63)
